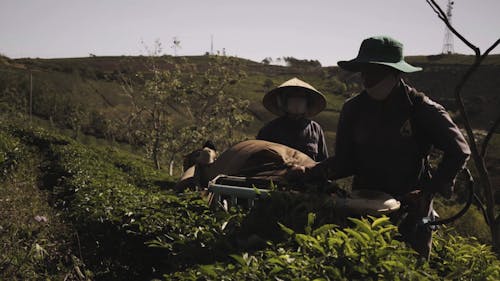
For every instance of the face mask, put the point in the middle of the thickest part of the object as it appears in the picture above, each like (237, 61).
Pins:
(382, 89)
(296, 105)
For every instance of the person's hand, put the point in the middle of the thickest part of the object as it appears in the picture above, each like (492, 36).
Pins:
(306, 174)
(295, 173)
(412, 198)
(418, 201)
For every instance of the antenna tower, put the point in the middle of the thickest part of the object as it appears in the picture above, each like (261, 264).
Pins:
(211, 44)
(448, 36)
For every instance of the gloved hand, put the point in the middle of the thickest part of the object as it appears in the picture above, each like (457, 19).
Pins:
(418, 202)
(295, 173)
(313, 173)
(412, 198)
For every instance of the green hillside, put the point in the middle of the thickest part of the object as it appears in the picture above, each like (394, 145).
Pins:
(79, 212)
(88, 206)
(85, 94)
(93, 82)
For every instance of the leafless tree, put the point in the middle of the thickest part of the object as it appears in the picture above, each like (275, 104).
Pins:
(477, 155)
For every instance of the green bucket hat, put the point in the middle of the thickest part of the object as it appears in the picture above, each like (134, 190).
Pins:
(382, 50)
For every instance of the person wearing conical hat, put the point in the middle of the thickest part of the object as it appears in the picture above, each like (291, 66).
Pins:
(295, 102)
(384, 135)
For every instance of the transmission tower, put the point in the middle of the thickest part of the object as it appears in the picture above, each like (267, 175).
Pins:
(448, 36)
(211, 44)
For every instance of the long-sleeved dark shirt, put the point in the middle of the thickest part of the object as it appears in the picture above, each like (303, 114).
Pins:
(383, 143)
(302, 134)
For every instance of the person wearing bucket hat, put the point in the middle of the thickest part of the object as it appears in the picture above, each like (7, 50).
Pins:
(384, 136)
(295, 102)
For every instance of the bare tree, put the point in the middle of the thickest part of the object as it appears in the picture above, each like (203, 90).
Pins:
(479, 157)
(176, 106)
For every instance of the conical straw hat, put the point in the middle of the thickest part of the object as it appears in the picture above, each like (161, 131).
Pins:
(316, 100)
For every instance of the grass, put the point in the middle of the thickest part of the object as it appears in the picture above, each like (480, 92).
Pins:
(36, 243)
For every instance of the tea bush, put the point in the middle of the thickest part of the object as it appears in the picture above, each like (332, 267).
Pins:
(138, 171)
(35, 244)
(129, 229)
(10, 154)
(368, 251)
(114, 217)
(459, 258)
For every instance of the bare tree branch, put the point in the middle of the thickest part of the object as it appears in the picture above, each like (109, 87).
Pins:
(478, 158)
(442, 15)
(491, 48)
(437, 10)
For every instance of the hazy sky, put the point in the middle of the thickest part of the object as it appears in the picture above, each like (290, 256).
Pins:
(327, 30)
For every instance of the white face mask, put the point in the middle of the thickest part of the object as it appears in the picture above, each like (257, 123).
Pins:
(296, 105)
(382, 89)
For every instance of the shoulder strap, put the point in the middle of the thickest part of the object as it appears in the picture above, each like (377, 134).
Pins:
(416, 99)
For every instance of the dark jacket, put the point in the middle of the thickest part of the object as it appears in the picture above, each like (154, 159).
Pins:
(303, 134)
(383, 144)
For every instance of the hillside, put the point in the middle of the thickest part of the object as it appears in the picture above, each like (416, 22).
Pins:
(85, 93)
(93, 81)
(78, 212)
(89, 207)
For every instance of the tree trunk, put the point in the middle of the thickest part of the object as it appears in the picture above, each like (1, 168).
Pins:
(156, 159)
(157, 142)
(171, 167)
(156, 151)
(496, 233)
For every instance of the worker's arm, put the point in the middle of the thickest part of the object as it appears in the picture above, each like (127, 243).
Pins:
(437, 125)
(340, 165)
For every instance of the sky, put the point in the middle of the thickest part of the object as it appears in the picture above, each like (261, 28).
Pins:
(324, 30)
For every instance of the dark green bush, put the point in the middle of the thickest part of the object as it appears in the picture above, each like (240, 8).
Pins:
(128, 229)
(367, 251)
(115, 218)
(458, 258)
(10, 154)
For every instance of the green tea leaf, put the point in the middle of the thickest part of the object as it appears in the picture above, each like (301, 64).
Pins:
(286, 229)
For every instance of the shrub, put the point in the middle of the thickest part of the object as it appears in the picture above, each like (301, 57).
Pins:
(129, 229)
(116, 218)
(10, 154)
(458, 258)
(367, 251)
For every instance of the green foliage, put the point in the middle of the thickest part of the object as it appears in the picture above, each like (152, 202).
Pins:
(459, 258)
(35, 244)
(293, 62)
(471, 224)
(128, 228)
(14, 89)
(116, 218)
(139, 172)
(10, 154)
(169, 89)
(369, 250)
(336, 86)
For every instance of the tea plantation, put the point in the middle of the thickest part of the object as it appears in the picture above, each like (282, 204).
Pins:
(99, 213)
